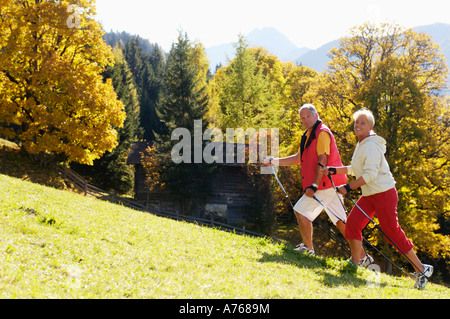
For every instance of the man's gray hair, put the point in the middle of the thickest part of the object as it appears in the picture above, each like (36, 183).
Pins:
(310, 107)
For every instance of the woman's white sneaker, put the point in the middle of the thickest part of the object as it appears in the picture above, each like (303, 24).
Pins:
(366, 261)
(422, 279)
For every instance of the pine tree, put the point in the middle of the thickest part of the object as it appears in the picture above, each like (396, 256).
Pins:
(149, 72)
(154, 90)
(184, 101)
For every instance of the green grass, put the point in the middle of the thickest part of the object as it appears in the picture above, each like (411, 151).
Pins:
(57, 244)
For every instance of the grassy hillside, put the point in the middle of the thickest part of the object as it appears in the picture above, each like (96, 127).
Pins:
(57, 244)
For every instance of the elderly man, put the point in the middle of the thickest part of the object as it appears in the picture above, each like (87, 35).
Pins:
(318, 149)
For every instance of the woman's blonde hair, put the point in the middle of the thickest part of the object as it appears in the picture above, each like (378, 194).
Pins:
(367, 113)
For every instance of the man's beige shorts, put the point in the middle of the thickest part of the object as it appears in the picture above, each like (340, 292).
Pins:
(311, 209)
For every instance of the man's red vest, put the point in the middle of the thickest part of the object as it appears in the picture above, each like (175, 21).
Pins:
(310, 159)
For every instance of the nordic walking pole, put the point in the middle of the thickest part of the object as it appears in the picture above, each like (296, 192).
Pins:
(334, 186)
(325, 207)
(379, 228)
(287, 196)
(281, 185)
(364, 239)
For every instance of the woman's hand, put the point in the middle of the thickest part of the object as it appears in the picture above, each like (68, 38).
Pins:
(341, 190)
(328, 170)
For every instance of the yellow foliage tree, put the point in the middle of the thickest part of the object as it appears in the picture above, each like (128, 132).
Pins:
(243, 94)
(52, 95)
(257, 90)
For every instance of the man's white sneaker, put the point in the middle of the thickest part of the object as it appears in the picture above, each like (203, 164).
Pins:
(301, 248)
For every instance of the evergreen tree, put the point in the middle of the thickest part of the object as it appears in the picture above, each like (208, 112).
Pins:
(154, 89)
(184, 101)
(149, 72)
(120, 38)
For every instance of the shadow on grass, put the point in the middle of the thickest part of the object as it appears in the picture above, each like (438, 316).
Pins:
(334, 272)
(16, 163)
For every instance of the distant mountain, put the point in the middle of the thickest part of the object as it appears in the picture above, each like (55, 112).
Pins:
(269, 38)
(276, 42)
(280, 45)
(441, 35)
(439, 31)
(317, 59)
(219, 55)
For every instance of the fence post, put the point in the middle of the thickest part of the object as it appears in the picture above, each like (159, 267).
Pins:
(4, 154)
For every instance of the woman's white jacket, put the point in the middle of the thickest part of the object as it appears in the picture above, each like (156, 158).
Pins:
(369, 162)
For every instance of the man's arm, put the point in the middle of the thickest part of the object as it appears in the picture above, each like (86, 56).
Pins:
(285, 161)
(323, 160)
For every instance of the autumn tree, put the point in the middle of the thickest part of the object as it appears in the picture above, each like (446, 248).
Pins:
(111, 172)
(399, 75)
(52, 94)
(257, 90)
(245, 97)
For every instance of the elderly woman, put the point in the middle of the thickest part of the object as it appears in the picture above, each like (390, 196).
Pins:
(379, 195)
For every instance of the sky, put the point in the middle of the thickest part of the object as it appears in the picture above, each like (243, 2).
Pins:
(309, 24)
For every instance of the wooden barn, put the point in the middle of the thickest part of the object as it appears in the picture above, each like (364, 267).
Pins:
(231, 191)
